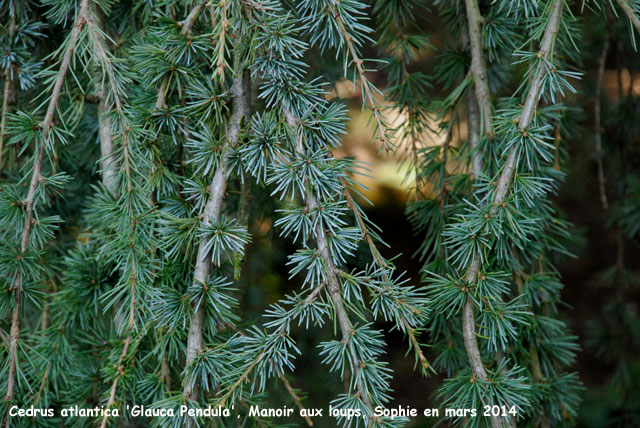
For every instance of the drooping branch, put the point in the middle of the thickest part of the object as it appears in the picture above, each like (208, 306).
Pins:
(212, 211)
(411, 330)
(221, 64)
(630, 12)
(103, 58)
(296, 398)
(502, 189)
(8, 82)
(473, 122)
(231, 389)
(478, 65)
(119, 372)
(532, 99)
(333, 286)
(186, 30)
(108, 164)
(368, 92)
(28, 203)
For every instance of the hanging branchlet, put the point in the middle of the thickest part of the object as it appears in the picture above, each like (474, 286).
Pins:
(335, 25)
(9, 77)
(491, 228)
(218, 234)
(479, 67)
(402, 43)
(45, 140)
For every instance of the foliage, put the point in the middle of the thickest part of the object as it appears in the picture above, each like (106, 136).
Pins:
(146, 147)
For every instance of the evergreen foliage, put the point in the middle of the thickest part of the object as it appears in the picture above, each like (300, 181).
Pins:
(140, 139)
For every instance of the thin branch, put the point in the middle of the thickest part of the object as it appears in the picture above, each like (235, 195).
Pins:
(104, 61)
(478, 65)
(186, 30)
(119, 373)
(333, 284)
(630, 12)
(314, 293)
(165, 372)
(221, 64)
(532, 99)
(8, 81)
(105, 124)
(245, 187)
(211, 213)
(190, 20)
(597, 108)
(503, 186)
(411, 331)
(104, 58)
(473, 122)
(107, 162)
(243, 219)
(245, 375)
(369, 97)
(46, 125)
(296, 399)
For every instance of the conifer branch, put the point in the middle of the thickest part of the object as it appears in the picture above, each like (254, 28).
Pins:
(119, 372)
(243, 219)
(532, 99)
(368, 93)
(222, 401)
(8, 82)
(190, 20)
(630, 12)
(105, 130)
(333, 283)
(473, 121)
(105, 123)
(314, 293)
(46, 125)
(104, 61)
(221, 64)
(478, 66)
(296, 399)
(411, 330)
(212, 211)
(503, 186)
(186, 30)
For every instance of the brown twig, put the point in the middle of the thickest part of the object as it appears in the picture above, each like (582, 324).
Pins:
(368, 95)
(296, 399)
(631, 14)
(333, 283)
(119, 372)
(478, 65)
(8, 81)
(46, 125)
(411, 331)
(503, 186)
